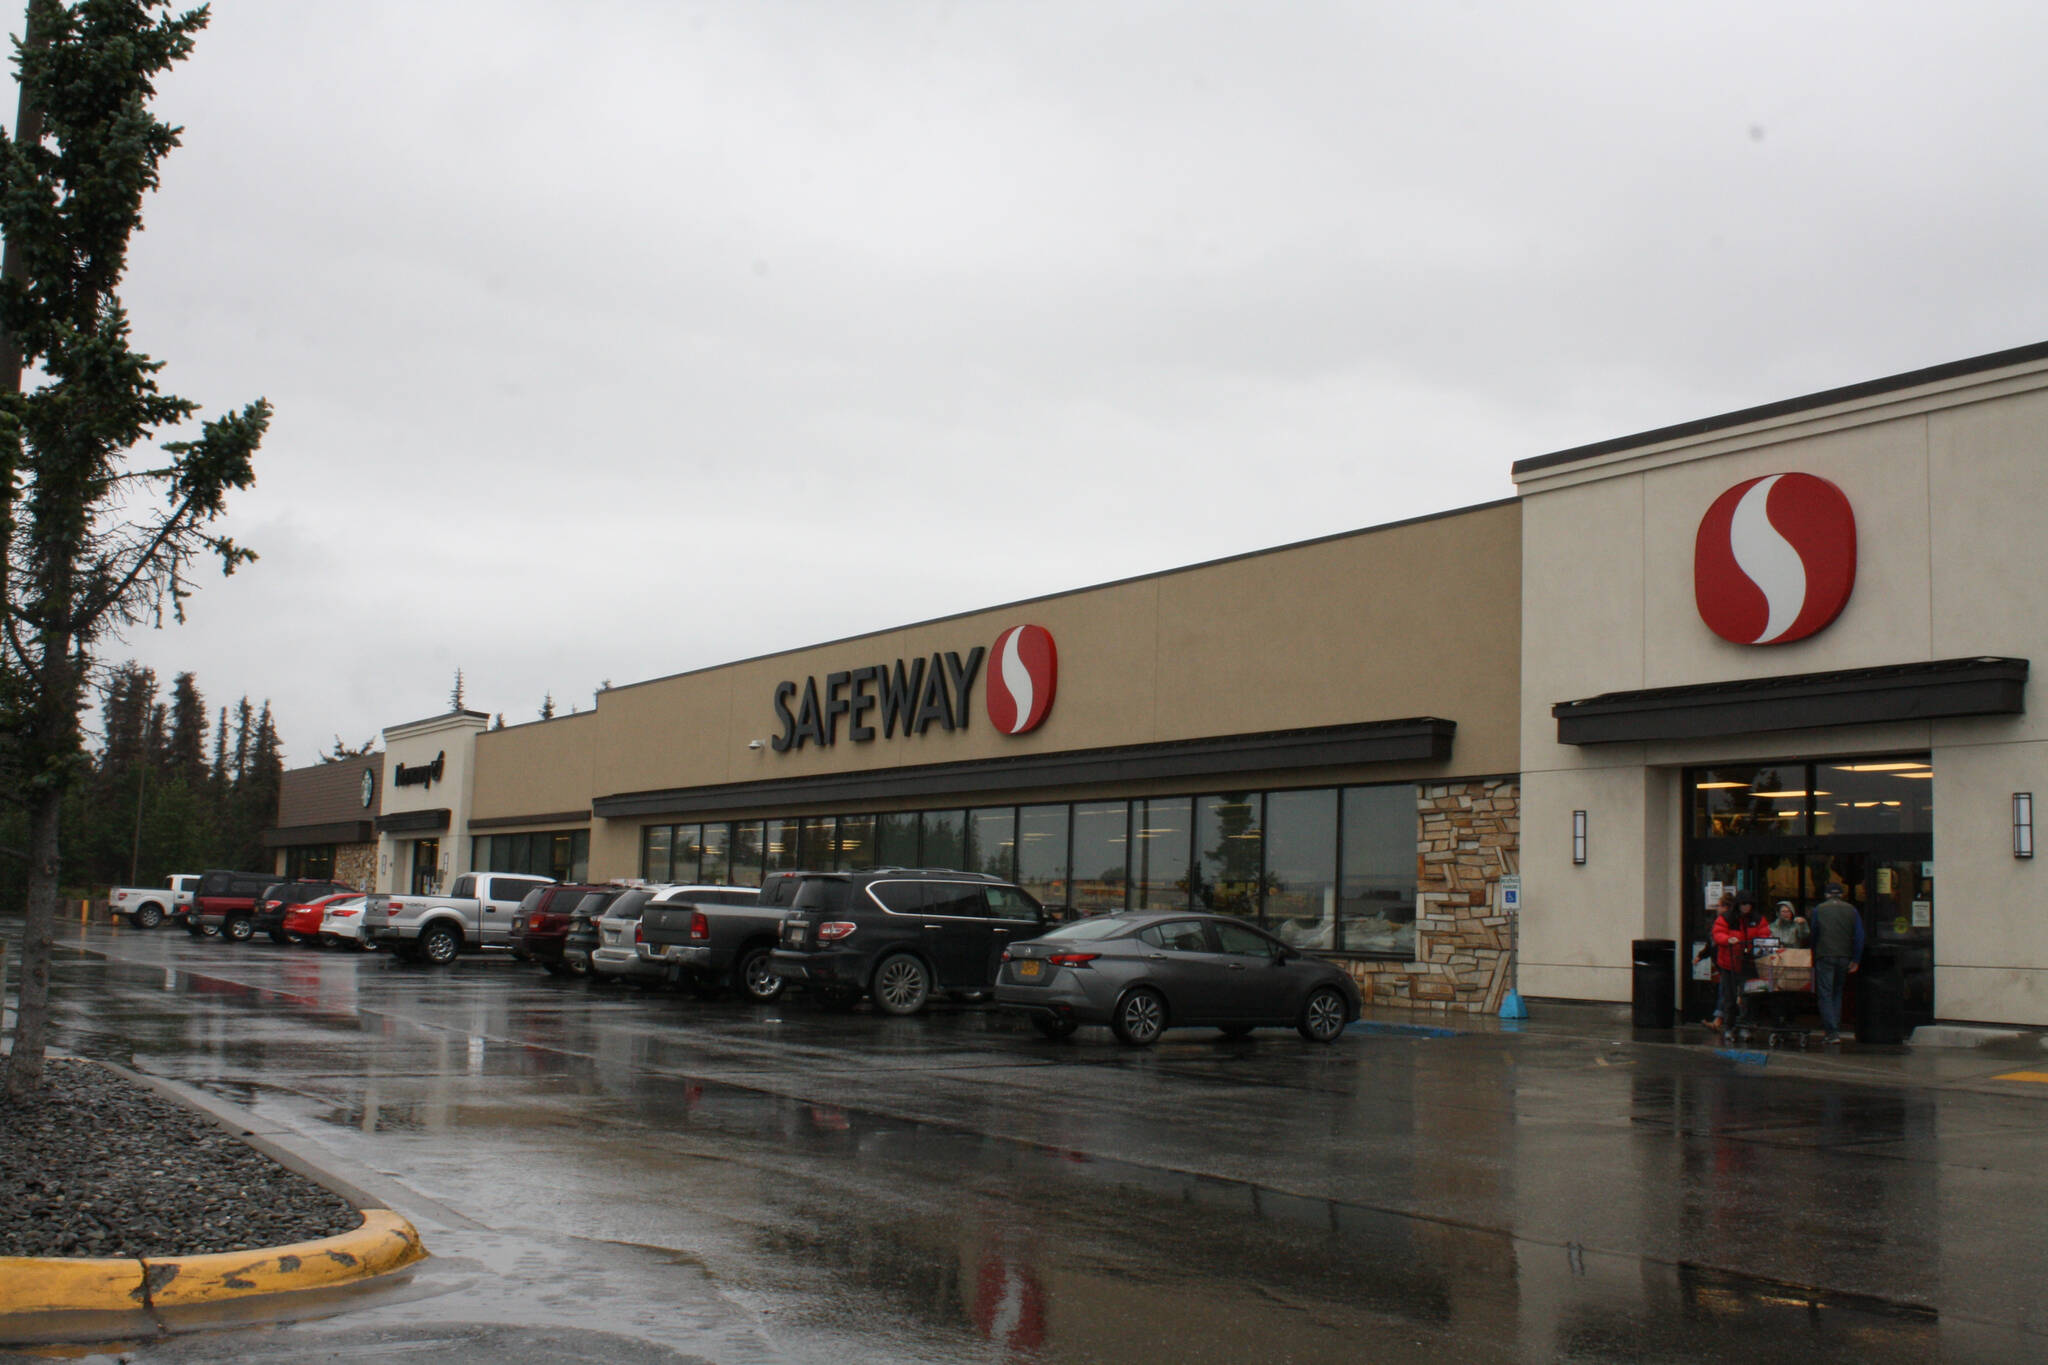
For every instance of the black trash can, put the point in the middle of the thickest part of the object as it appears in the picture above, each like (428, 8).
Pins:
(1655, 995)
(1881, 996)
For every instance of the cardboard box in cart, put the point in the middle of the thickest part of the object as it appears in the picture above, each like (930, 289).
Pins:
(1788, 969)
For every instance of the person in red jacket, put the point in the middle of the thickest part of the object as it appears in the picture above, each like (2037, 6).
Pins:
(1734, 928)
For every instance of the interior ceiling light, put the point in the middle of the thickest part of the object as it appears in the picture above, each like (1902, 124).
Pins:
(1878, 767)
(1716, 786)
(1791, 794)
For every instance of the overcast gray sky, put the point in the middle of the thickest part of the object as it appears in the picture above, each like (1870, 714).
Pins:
(613, 338)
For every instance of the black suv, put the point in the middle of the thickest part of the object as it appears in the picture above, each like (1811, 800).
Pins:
(278, 899)
(899, 934)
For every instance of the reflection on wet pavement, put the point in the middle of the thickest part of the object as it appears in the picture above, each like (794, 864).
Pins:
(778, 1183)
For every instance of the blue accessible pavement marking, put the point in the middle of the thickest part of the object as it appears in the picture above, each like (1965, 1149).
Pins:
(1401, 1030)
(1747, 1056)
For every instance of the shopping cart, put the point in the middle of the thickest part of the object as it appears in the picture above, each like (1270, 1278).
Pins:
(1774, 1000)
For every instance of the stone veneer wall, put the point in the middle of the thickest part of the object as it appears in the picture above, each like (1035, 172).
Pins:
(1469, 836)
(356, 865)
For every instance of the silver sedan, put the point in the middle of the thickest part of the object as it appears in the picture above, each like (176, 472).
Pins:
(1143, 973)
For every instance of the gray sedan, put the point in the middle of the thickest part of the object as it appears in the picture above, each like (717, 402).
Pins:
(1143, 973)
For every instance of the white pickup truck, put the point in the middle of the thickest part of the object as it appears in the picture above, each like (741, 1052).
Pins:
(475, 914)
(148, 906)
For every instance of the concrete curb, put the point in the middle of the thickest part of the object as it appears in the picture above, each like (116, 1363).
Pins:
(34, 1286)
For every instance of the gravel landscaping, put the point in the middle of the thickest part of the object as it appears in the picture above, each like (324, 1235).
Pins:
(100, 1166)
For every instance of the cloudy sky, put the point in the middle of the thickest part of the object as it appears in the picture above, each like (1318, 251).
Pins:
(613, 338)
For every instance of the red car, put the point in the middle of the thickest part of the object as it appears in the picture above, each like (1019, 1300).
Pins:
(302, 921)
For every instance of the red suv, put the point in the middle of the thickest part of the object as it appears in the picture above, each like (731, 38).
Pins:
(541, 924)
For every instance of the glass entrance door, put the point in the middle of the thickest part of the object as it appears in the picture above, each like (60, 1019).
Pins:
(1784, 831)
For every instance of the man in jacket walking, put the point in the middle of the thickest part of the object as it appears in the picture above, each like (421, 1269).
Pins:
(1837, 951)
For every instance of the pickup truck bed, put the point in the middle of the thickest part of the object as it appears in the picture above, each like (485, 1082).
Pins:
(716, 938)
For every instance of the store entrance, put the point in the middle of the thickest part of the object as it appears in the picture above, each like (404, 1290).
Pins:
(1784, 831)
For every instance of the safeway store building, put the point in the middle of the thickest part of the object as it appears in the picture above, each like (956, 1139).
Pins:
(1761, 651)
(1790, 646)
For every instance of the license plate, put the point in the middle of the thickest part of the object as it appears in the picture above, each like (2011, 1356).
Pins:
(1028, 967)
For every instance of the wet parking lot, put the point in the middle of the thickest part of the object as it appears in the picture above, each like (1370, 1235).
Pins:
(610, 1173)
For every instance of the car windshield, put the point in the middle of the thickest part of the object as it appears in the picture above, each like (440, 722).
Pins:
(1102, 926)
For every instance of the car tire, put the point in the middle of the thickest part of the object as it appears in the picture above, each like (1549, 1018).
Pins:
(149, 916)
(756, 978)
(838, 999)
(237, 928)
(1052, 1026)
(195, 928)
(283, 936)
(554, 966)
(1140, 1017)
(1323, 1015)
(1235, 1030)
(439, 945)
(903, 985)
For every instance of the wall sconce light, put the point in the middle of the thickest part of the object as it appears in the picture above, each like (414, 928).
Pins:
(753, 744)
(2022, 824)
(1578, 838)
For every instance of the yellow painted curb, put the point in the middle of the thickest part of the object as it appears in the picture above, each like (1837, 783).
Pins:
(31, 1284)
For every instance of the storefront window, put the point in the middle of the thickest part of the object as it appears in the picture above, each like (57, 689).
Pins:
(1164, 845)
(943, 839)
(992, 841)
(713, 868)
(315, 862)
(1376, 907)
(746, 853)
(687, 853)
(1301, 867)
(568, 855)
(1101, 856)
(654, 853)
(1228, 852)
(1042, 852)
(1753, 799)
(856, 842)
(896, 839)
(820, 844)
(1874, 796)
(779, 846)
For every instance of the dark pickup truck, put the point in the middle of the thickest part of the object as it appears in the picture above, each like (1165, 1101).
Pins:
(714, 938)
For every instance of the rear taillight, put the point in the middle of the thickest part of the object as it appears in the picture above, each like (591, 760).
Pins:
(341, 914)
(1072, 959)
(834, 930)
(638, 935)
(700, 925)
(394, 906)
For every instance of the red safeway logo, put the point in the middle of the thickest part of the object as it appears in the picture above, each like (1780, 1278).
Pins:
(1024, 672)
(1775, 559)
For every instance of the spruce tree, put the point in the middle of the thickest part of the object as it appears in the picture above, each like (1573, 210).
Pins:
(92, 538)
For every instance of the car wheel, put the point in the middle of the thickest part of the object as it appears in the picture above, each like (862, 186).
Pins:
(554, 966)
(1235, 1030)
(362, 945)
(1323, 1015)
(1140, 1018)
(237, 929)
(283, 936)
(149, 916)
(195, 928)
(757, 978)
(1052, 1026)
(439, 945)
(902, 985)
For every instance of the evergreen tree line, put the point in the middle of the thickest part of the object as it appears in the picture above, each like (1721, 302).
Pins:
(164, 792)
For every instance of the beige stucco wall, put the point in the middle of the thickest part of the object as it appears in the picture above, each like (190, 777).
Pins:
(1412, 620)
(413, 744)
(1943, 480)
(1417, 619)
(542, 768)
